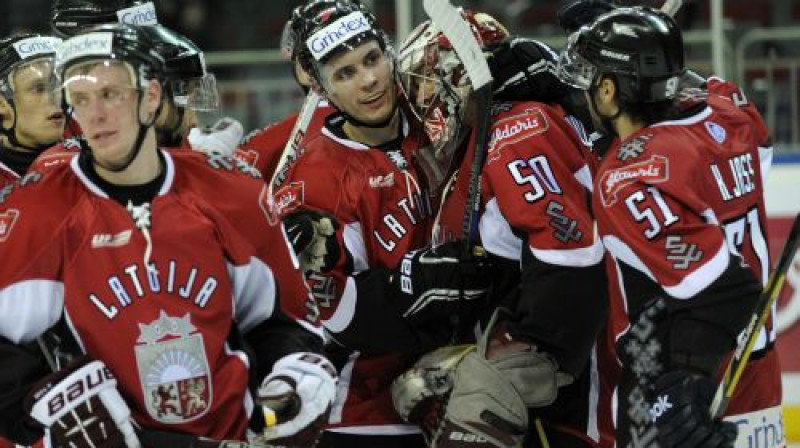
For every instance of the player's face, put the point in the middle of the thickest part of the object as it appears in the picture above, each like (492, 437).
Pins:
(106, 106)
(361, 84)
(39, 119)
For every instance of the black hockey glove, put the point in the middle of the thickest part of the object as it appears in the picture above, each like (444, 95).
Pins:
(525, 69)
(439, 282)
(82, 407)
(313, 238)
(680, 411)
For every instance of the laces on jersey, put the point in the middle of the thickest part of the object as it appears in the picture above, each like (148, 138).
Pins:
(141, 218)
(401, 163)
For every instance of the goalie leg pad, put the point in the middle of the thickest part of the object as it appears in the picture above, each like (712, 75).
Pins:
(485, 404)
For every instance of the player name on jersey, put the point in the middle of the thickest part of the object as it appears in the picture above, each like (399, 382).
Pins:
(742, 175)
(150, 281)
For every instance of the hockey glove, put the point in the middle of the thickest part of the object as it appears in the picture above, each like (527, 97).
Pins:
(296, 399)
(680, 411)
(82, 407)
(223, 137)
(439, 282)
(313, 238)
(526, 69)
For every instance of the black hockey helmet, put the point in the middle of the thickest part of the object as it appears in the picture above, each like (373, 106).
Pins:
(641, 47)
(189, 82)
(71, 17)
(20, 50)
(324, 28)
(574, 14)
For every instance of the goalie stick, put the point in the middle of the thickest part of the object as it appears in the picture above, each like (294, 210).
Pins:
(747, 339)
(452, 25)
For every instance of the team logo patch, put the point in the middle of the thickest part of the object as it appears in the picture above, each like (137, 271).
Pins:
(651, 171)
(287, 198)
(435, 125)
(173, 369)
(633, 148)
(514, 129)
(716, 131)
(7, 220)
(248, 157)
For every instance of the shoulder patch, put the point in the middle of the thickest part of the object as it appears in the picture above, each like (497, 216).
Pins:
(515, 128)
(7, 220)
(716, 131)
(654, 170)
(634, 147)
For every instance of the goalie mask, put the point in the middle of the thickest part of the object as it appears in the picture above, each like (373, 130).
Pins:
(436, 83)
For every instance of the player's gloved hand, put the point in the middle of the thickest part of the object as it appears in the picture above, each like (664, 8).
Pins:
(296, 399)
(223, 137)
(680, 411)
(313, 238)
(526, 69)
(438, 282)
(82, 407)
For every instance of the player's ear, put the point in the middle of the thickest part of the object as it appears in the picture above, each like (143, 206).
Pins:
(6, 113)
(153, 95)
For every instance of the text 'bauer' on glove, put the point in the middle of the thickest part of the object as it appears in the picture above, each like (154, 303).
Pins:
(296, 399)
(82, 408)
(439, 282)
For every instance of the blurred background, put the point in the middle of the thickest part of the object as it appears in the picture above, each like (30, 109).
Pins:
(756, 43)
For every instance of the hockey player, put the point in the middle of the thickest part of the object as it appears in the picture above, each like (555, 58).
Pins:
(177, 296)
(360, 183)
(31, 119)
(190, 87)
(536, 355)
(680, 207)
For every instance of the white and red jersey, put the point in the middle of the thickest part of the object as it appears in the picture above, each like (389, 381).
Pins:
(384, 213)
(674, 202)
(217, 266)
(535, 191)
(263, 147)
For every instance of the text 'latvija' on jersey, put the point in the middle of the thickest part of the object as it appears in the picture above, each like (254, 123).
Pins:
(160, 302)
(379, 197)
(680, 206)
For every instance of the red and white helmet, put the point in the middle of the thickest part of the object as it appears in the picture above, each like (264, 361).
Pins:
(434, 78)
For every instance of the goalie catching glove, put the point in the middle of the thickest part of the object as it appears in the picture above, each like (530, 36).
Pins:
(296, 399)
(82, 408)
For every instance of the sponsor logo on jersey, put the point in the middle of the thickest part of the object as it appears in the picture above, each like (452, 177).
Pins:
(110, 240)
(34, 46)
(173, 369)
(144, 14)
(248, 156)
(287, 198)
(89, 44)
(327, 39)
(514, 129)
(651, 171)
(716, 131)
(7, 220)
(385, 181)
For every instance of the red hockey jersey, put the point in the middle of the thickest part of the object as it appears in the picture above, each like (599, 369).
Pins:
(675, 200)
(71, 252)
(384, 213)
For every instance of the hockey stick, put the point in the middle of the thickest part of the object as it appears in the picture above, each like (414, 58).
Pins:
(452, 24)
(763, 308)
(290, 151)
